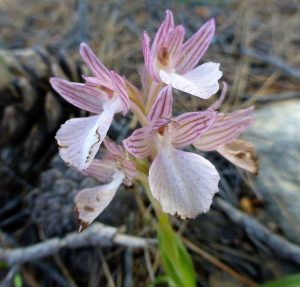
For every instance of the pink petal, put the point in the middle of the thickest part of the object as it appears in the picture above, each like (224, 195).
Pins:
(86, 98)
(113, 150)
(196, 46)
(184, 183)
(79, 139)
(220, 100)
(174, 43)
(147, 54)
(120, 90)
(100, 84)
(117, 153)
(201, 82)
(225, 129)
(162, 107)
(188, 127)
(166, 26)
(90, 202)
(140, 143)
(95, 65)
(102, 170)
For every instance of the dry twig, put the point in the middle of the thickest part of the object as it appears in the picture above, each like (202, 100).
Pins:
(278, 244)
(97, 234)
(274, 61)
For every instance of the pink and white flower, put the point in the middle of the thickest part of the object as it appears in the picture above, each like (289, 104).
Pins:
(184, 183)
(113, 170)
(223, 133)
(104, 94)
(173, 62)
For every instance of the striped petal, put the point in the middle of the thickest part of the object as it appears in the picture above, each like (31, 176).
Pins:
(162, 107)
(195, 47)
(184, 183)
(147, 54)
(102, 170)
(225, 129)
(79, 139)
(117, 153)
(103, 85)
(188, 127)
(242, 154)
(160, 37)
(95, 65)
(140, 143)
(174, 43)
(114, 151)
(79, 95)
(201, 82)
(120, 89)
(90, 202)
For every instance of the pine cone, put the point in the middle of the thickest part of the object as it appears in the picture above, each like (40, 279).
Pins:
(30, 111)
(51, 205)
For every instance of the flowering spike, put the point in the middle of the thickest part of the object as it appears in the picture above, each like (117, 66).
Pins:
(182, 182)
(170, 61)
(113, 170)
(105, 94)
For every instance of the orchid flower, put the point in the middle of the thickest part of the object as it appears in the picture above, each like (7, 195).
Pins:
(173, 62)
(222, 136)
(183, 183)
(104, 94)
(113, 170)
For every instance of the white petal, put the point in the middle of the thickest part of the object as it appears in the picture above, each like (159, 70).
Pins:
(184, 183)
(201, 82)
(90, 202)
(79, 139)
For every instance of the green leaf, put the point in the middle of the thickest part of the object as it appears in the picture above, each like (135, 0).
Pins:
(162, 279)
(175, 258)
(288, 281)
(18, 282)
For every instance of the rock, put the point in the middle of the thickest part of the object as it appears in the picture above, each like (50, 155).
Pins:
(276, 138)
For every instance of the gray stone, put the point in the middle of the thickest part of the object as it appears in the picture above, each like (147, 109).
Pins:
(276, 137)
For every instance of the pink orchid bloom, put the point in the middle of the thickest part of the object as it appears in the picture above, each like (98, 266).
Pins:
(105, 95)
(224, 131)
(113, 170)
(183, 183)
(173, 62)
